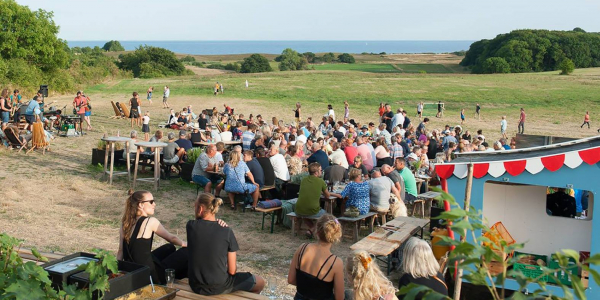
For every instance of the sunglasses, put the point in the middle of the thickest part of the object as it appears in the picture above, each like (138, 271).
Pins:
(151, 201)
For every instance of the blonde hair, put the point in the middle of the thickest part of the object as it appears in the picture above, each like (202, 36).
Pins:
(234, 158)
(368, 282)
(354, 173)
(209, 202)
(418, 259)
(329, 229)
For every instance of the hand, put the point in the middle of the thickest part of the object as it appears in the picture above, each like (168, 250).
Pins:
(183, 244)
(256, 184)
(222, 223)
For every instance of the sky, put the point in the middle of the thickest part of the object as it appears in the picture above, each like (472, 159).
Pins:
(199, 20)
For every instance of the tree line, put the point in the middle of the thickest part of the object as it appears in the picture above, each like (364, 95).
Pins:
(534, 51)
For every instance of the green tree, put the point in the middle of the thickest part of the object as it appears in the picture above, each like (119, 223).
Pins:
(156, 61)
(188, 58)
(31, 36)
(256, 63)
(578, 29)
(566, 66)
(328, 57)
(495, 65)
(292, 60)
(310, 57)
(113, 46)
(346, 58)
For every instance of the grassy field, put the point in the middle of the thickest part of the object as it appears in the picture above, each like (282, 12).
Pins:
(428, 68)
(370, 68)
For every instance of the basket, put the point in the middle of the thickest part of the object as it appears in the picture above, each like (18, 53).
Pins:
(531, 271)
(561, 276)
(496, 234)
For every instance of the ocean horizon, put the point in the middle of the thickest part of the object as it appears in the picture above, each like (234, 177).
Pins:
(276, 47)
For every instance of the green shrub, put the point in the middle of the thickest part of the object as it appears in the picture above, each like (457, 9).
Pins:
(290, 60)
(233, 67)
(496, 65)
(113, 46)
(188, 58)
(193, 154)
(23, 73)
(346, 58)
(328, 57)
(151, 70)
(197, 64)
(256, 63)
(216, 66)
(566, 66)
(162, 62)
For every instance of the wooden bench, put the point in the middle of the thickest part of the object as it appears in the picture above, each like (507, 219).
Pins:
(351, 226)
(184, 293)
(297, 222)
(269, 211)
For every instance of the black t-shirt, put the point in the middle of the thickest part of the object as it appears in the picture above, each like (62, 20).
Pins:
(268, 170)
(406, 122)
(429, 282)
(257, 172)
(208, 245)
(182, 119)
(202, 123)
(244, 123)
(439, 107)
(388, 122)
(338, 135)
(432, 149)
(184, 143)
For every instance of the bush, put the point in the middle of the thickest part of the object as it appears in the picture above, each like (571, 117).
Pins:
(216, 66)
(113, 46)
(188, 58)
(197, 64)
(566, 66)
(310, 57)
(346, 58)
(328, 57)
(156, 60)
(496, 65)
(291, 60)
(233, 67)
(256, 63)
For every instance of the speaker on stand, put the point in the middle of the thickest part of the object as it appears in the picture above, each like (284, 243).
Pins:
(44, 90)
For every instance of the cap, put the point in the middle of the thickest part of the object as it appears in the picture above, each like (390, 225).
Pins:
(171, 136)
(364, 127)
(182, 132)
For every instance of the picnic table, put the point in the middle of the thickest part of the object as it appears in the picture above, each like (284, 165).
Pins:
(110, 144)
(425, 200)
(158, 146)
(332, 199)
(384, 241)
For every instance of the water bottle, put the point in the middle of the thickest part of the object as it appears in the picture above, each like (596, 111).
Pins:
(118, 133)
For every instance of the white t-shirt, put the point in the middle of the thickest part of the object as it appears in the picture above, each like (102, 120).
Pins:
(167, 93)
(302, 138)
(280, 167)
(339, 158)
(146, 120)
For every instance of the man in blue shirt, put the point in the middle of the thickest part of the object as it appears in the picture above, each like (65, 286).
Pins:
(33, 111)
(248, 136)
(318, 156)
(183, 141)
(448, 138)
(255, 168)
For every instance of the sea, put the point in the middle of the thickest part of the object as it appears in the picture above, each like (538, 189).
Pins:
(276, 47)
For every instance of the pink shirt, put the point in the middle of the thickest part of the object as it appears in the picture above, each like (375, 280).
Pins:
(365, 153)
(522, 117)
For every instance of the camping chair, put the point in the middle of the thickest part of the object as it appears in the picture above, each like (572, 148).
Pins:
(118, 114)
(38, 138)
(14, 140)
(125, 110)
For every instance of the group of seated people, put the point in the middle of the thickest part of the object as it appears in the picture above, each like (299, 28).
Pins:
(33, 113)
(209, 256)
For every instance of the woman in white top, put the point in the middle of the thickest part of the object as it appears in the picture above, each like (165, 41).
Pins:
(330, 113)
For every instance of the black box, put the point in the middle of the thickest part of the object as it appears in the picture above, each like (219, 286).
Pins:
(44, 90)
(59, 276)
(135, 276)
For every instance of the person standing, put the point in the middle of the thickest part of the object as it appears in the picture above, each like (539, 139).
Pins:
(221, 88)
(503, 126)
(246, 83)
(521, 126)
(297, 112)
(440, 109)
(15, 103)
(420, 110)
(586, 119)
(216, 89)
(88, 111)
(149, 94)
(381, 111)
(134, 114)
(346, 111)
(146, 125)
(388, 117)
(462, 116)
(79, 104)
(477, 111)
(5, 107)
(166, 95)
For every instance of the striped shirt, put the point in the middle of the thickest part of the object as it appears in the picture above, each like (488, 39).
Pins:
(247, 138)
(396, 151)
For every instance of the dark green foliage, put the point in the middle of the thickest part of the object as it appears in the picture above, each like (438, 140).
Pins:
(290, 60)
(536, 50)
(149, 62)
(328, 57)
(495, 65)
(113, 46)
(566, 66)
(256, 63)
(460, 53)
(346, 58)
(31, 36)
(310, 57)
(230, 67)
(188, 58)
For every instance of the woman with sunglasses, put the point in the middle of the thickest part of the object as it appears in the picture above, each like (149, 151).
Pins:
(136, 235)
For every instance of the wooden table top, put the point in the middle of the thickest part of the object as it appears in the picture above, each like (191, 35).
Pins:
(429, 195)
(384, 240)
(151, 144)
(116, 139)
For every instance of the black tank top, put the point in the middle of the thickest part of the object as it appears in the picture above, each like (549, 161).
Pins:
(139, 250)
(311, 287)
(134, 103)
(297, 114)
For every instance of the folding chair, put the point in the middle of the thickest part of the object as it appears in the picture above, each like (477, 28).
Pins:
(38, 138)
(13, 139)
(125, 110)
(118, 114)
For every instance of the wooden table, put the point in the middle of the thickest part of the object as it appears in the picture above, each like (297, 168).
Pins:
(388, 238)
(157, 148)
(426, 199)
(110, 143)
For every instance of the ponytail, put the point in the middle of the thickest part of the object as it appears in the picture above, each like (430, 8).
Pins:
(209, 202)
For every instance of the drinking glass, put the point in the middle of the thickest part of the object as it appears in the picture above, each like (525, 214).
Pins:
(170, 276)
(272, 283)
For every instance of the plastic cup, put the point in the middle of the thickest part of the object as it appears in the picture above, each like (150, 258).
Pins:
(170, 277)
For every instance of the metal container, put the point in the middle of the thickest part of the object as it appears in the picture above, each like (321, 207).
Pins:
(60, 270)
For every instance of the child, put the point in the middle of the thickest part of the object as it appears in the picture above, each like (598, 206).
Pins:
(462, 116)
(146, 126)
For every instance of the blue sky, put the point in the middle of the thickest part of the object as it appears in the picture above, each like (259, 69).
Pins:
(312, 19)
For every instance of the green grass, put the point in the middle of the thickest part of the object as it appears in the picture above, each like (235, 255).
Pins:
(429, 68)
(371, 68)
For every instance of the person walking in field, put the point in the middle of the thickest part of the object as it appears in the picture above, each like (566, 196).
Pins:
(420, 110)
(149, 94)
(440, 109)
(521, 126)
(503, 125)
(166, 95)
(297, 112)
(462, 116)
(586, 119)
(346, 111)
(216, 89)
(221, 88)
(477, 111)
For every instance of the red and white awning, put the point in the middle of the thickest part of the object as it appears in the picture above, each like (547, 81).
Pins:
(533, 165)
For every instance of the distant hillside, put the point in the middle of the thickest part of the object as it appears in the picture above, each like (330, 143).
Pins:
(533, 50)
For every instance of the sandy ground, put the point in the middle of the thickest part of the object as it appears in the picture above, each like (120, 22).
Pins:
(58, 202)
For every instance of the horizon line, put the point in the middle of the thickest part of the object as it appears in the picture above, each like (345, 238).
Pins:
(98, 40)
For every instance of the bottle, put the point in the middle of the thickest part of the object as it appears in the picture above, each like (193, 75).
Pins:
(118, 133)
